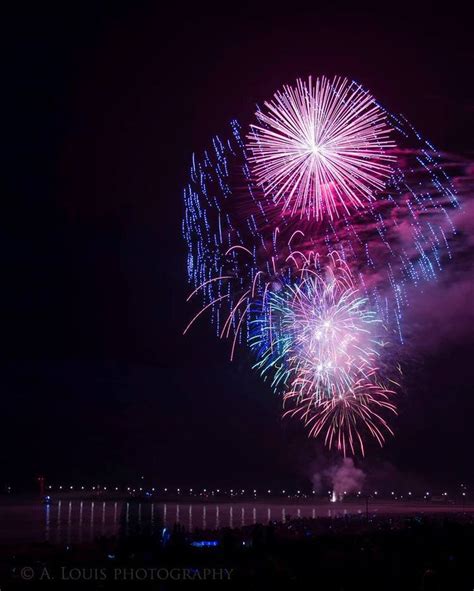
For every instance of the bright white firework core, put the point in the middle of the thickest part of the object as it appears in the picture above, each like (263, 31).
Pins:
(318, 147)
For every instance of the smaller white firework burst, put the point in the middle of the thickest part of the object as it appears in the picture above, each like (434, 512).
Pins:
(323, 346)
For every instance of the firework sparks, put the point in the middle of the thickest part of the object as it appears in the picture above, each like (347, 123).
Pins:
(320, 146)
(345, 418)
(322, 344)
(319, 321)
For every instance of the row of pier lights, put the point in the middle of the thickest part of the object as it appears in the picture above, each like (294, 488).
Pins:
(242, 493)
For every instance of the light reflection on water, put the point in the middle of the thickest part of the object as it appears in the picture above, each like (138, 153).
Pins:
(72, 521)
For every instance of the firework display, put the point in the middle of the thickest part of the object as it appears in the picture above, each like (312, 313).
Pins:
(305, 236)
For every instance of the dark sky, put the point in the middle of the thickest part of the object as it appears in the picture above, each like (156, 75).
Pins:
(106, 103)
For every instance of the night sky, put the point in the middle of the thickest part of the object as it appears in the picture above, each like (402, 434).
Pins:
(105, 105)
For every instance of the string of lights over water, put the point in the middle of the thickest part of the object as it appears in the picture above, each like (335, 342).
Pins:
(97, 490)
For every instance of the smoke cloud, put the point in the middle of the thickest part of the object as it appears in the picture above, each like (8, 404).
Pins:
(346, 478)
(341, 478)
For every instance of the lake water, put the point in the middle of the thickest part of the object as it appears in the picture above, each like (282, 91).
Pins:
(76, 521)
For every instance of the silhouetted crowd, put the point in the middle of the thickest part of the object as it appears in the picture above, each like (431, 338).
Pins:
(337, 554)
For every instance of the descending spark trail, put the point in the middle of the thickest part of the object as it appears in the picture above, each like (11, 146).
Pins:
(345, 418)
(321, 146)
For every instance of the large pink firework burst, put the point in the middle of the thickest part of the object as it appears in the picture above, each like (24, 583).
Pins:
(320, 146)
